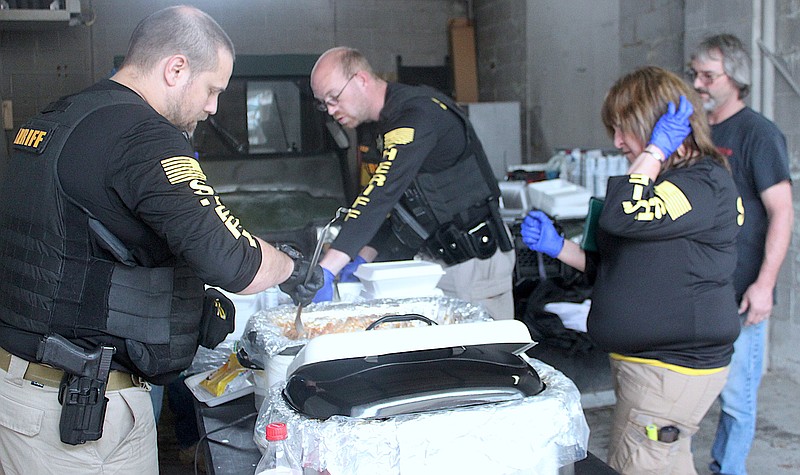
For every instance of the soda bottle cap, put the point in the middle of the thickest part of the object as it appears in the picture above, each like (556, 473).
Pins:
(276, 431)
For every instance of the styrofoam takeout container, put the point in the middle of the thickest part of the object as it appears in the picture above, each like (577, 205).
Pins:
(559, 198)
(399, 278)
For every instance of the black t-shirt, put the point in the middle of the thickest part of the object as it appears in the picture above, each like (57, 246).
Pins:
(417, 135)
(756, 150)
(137, 174)
(666, 253)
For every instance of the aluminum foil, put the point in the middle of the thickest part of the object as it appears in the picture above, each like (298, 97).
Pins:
(534, 435)
(264, 337)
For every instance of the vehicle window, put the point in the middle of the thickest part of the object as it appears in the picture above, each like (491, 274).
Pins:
(273, 117)
(261, 117)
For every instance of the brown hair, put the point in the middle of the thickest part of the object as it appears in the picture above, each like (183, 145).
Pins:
(179, 29)
(636, 102)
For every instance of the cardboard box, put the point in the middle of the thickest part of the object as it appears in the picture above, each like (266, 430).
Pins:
(465, 64)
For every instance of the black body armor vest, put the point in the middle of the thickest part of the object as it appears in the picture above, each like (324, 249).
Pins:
(51, 279)
(452, 215)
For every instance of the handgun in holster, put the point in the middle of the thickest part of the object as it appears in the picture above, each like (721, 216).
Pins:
(82, 392)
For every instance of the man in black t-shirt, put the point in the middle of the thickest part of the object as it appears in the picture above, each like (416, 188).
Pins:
(756, 150)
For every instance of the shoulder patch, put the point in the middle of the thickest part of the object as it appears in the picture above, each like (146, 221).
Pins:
(182, 169)
(399, 136)
(675, 201)
(33, 138)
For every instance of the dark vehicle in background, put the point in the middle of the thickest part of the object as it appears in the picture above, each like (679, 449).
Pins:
(278, 163)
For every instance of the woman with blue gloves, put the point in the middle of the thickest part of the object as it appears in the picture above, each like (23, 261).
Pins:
(663, 303)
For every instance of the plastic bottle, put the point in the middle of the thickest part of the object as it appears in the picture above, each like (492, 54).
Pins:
(279, 458)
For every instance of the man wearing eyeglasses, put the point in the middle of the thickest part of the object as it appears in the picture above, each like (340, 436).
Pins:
(433, 183)
(756, 150)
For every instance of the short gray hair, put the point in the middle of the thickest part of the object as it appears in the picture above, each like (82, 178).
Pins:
(177, 30)
(735, 59)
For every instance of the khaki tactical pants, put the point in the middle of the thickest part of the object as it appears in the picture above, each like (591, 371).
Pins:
(652, 395)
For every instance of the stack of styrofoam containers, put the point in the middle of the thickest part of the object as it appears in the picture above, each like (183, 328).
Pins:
(559, 198)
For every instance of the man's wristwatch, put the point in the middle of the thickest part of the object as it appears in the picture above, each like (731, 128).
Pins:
(655, 152)
(294, 255)
(290, 251)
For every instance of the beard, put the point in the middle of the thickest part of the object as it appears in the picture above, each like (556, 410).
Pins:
(179, 116)
(710, 104)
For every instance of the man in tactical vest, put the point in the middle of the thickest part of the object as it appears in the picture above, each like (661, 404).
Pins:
(108, 233)
(433, 182)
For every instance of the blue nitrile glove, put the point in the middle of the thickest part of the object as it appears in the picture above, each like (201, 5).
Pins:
(325, 293)
(346, 275)
(539, 234)
(673, 127)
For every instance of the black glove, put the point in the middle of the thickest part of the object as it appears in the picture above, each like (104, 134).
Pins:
(300, 292)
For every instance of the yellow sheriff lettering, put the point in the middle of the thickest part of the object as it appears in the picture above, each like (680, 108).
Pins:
(740, 210)
(352, 214)
(37, 138)
(378, 179)
(389, 155)
(201, 188)
(383, 168)
(646, 210)
(29, 137)
(249, 238)
(230, 221)
(399, 136)
(669, 200)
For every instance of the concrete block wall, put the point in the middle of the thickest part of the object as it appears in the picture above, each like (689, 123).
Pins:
(570, 60)
(502, 45)
(651, 34)
(37, 66)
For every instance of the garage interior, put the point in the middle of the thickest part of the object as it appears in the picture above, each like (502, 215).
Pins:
(531, 74)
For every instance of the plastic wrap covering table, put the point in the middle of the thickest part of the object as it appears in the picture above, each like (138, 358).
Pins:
(535, 435)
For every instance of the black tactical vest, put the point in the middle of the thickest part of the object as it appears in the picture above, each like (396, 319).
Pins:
(452, 215)
(51, 280)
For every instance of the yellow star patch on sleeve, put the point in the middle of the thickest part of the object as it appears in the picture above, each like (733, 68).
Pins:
(399, 136)
(182, 169)
(675, 201)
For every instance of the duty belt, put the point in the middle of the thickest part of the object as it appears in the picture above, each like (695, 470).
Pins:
(51, 377)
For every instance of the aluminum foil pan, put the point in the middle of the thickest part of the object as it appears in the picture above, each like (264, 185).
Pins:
(271, 332)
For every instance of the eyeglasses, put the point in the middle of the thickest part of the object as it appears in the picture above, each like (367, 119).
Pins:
(333, 101)
(706, 77)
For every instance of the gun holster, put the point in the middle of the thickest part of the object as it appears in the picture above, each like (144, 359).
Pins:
(82, 392)
(83, 408)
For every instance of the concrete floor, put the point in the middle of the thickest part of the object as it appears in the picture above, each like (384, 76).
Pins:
(776, 449)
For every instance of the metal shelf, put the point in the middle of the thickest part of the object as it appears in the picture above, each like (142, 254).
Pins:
(41, 18)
